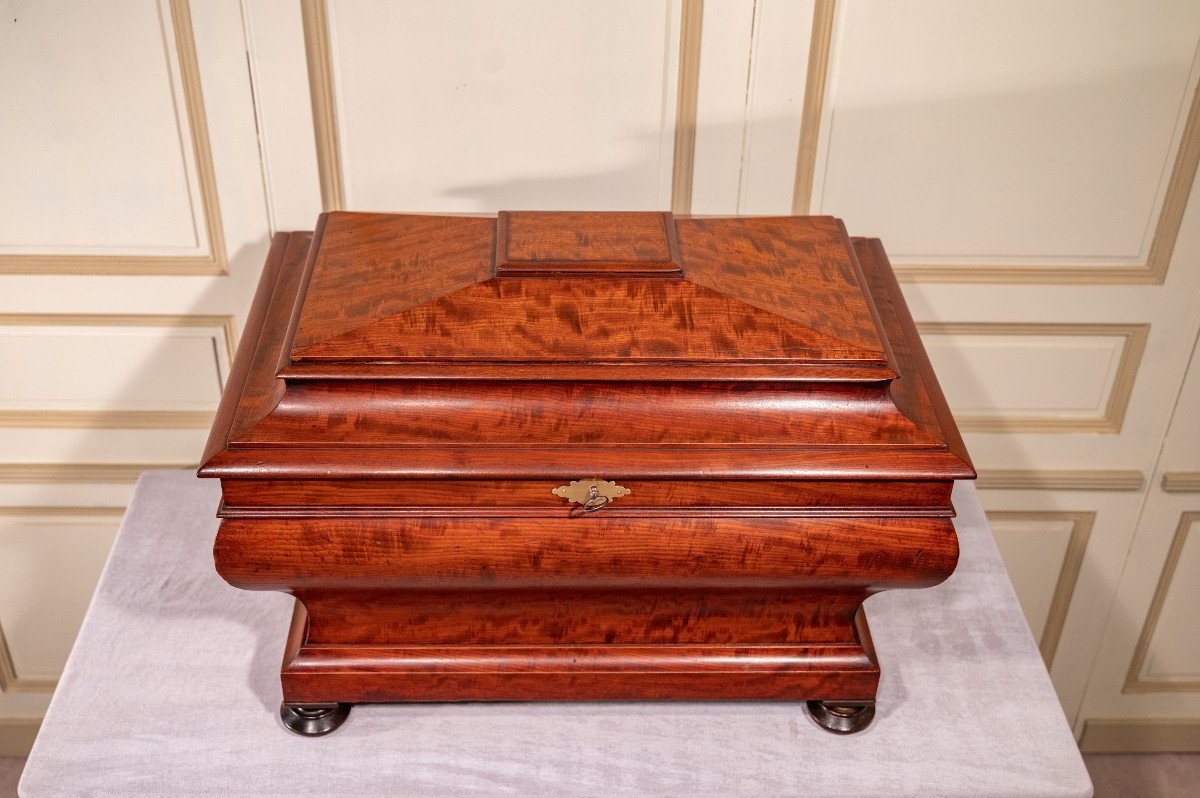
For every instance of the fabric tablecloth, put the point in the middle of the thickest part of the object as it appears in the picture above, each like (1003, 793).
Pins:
(172, 689)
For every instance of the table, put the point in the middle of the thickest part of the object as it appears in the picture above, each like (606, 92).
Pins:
(172, 689)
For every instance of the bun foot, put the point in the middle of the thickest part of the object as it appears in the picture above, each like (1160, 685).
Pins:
(313, 720)
(842, 717)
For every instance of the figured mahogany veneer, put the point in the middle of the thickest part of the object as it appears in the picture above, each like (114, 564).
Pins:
(410, 388)
(535, 244)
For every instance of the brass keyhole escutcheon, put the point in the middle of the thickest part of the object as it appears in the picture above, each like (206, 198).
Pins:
(592, 495)
(595, 500)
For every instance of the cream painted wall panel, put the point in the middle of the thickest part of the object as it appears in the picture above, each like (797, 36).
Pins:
(62, 493)
(1148, 665)
(283, 107)
(170, 366)
(220, 46)
(1173, 650)
(1181, 451)
(1118, 686)
(1022, 132)
(76, 181)
(14, 707)
(726, 43)
(50, 368)
(1099, 568)
(753, 58)
(221, 49)
(774, 100)
(64, 552)
(475, 106)
(1025, 375)
(229, 106)
(936, 58)
(1034, 551)
(1070, 443)
(96, 445)
(1170, 310)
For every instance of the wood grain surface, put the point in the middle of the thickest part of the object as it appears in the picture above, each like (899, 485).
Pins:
(410, 389)
(392, 414)
(373, 265)
(533, 243)
(662, 616)
(405, 287)
(280, 496)
(315, 673)
(589, 552)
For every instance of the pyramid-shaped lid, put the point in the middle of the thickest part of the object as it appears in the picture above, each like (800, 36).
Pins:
(387, 291)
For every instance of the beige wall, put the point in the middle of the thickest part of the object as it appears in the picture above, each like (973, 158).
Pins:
(1028, 166)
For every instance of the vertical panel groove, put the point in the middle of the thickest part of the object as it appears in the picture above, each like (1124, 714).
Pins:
(1135, 681)
(1068, 573)
(814, 102)
(685, 108)
(1064, 590)
(320, 84)
(1179, 189)
(8, 672)
(193, 98)
(10, 682)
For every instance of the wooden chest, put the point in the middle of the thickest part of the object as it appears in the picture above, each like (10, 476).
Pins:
(581, 456)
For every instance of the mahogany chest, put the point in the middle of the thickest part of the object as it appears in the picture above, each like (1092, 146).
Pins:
(549, 456)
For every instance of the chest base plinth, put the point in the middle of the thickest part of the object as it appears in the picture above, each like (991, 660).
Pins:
(834, 671)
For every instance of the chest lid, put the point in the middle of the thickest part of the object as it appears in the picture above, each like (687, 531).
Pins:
(389, 293)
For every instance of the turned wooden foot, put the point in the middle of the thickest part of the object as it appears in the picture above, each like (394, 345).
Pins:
(842, 717)
(313, 720)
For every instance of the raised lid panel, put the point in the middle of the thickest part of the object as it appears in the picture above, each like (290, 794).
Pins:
(374, 265)
(553, 319)
(542, 287)
(532, 243)
(898, 431)
(798, 268)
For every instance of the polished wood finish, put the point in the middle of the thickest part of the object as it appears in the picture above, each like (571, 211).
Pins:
(371, 673)
(492, 553)
(397, 415)
(383, 265)
(694, 463)
(410, 389)
(799, 268)
(533, 244)
(562, 289)
(508, 496)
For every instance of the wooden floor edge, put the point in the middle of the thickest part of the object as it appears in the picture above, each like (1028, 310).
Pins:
(1140, 735)
(17, 735)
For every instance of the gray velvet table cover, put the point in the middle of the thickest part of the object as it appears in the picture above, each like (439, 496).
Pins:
(173, 690)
